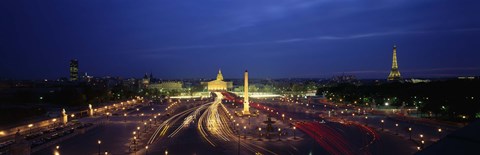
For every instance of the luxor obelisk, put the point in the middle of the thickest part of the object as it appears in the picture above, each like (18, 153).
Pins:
(246, 103)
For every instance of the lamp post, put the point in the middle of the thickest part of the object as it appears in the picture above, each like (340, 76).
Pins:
(106, 152)
(54, 120)
(382, 123)
(135, 143)
(57, 150)
(396, 128)
(244, 132)
(410, 132)
(238, 128)
(30, 128)
(366, 122)
(259, 133)
(99, 143)
(233, 124)
(146, 150)
(439, 133)
(279, 131)
(125, 117)
(294, 128)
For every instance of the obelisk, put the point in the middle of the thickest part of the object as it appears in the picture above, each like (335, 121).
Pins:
(246, 103)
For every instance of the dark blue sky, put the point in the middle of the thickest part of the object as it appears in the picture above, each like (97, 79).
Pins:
(272, 38)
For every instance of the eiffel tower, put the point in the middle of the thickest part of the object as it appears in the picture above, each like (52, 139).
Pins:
(394, 73)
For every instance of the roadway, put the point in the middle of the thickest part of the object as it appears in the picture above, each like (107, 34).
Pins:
(208, 126)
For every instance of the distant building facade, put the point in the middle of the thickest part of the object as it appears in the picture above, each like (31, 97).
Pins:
(145, 81)
(218, 84)
(73, 70)
(169, 85)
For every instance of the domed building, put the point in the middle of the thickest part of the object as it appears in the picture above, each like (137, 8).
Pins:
(218, 84)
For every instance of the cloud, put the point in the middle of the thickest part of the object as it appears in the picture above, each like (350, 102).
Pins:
(316, 38)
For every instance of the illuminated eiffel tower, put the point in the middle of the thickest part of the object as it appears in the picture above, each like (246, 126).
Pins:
(394, 73)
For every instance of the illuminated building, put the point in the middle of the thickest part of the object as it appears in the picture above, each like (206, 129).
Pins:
(246, 103)
(218, 84)
(394, 73)
(146, 80)
(73, 70)
(169, 85)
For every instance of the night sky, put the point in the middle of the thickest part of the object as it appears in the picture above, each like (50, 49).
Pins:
(270, 38)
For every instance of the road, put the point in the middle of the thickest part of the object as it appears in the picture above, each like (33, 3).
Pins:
(210, 126)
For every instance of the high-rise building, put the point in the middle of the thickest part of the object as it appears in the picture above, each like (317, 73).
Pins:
(394, 73)
(73, 70)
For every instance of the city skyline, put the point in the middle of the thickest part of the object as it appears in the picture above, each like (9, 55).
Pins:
(278, 39)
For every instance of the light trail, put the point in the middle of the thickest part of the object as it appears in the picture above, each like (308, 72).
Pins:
(188, 120)
(164, 126)
(214, 125)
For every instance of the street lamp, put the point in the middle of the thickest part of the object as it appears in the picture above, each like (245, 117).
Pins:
(382, 123)
(134, 143)
(30, 128)
(396, 129)
(238, 128)
(439, 133)
(106, 152)
(279, 131)
(410, 132)
(146, 150)
(366, 122)
(145, 126)
(166, 152)
(244, 132)
(54, 120)
(125, 117)
(294, 128)
(259, 133)
(99, 142)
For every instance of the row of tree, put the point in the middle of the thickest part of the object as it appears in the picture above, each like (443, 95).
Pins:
(70, 95)
(451, 99)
